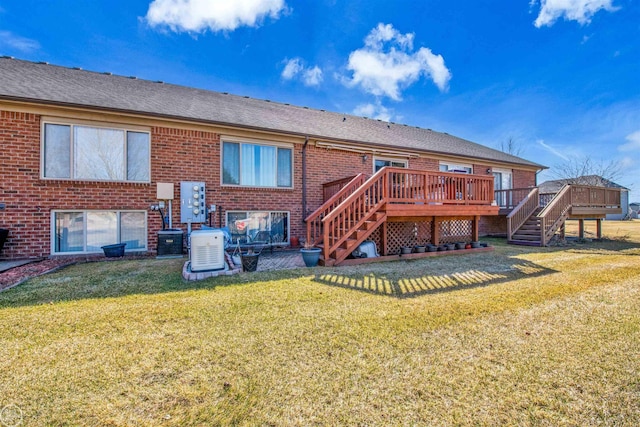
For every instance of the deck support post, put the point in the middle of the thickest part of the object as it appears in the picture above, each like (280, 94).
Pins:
(599, 228)
(563, 230)
(581, 228)
(383, 238)
(435, 231)
(475, 228)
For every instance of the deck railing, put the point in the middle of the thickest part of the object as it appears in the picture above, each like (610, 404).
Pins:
(509, 199)
(359, 206)
(555, 213)
(413, 186)
(397, 186)
(594, 197)
(314, 221)
(522, 212)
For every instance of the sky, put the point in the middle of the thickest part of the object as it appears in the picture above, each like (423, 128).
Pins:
(559, 78)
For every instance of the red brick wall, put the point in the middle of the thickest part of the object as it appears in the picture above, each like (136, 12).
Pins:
(524, 179)
(176, 155)
(493, 225)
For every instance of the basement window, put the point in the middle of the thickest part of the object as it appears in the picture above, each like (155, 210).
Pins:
(261, 226)
(87, 231)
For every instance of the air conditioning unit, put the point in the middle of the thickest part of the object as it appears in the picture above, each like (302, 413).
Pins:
(207, 250)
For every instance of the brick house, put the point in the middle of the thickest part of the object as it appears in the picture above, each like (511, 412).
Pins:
(83, 153)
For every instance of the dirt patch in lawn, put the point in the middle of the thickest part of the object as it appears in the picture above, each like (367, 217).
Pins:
(20, 274)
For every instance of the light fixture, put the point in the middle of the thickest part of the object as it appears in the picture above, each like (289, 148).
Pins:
(364, 158)
(488, 170)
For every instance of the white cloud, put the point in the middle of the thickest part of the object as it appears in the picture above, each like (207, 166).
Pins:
(387, 64)
(633, 142)
(571, 10)
(310, 76)
(374, 111)
(627, 162)
(215, 15)
(22, 44)
(292, 68)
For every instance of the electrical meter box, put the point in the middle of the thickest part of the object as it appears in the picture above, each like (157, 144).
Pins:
(193, 206)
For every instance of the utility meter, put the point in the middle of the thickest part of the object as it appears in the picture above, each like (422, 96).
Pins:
(192, 202)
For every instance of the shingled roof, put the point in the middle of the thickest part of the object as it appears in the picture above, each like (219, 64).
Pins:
(553, 186)
(43, 83)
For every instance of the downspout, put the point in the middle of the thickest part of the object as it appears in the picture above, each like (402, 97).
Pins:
(304, 179)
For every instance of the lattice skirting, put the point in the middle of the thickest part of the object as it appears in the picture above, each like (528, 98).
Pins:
(456, 231)
(419, 233)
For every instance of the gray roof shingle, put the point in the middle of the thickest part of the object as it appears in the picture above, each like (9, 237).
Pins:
(44, 83)
(553, 186)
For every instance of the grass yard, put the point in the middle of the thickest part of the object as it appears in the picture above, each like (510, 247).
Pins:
(519, 336)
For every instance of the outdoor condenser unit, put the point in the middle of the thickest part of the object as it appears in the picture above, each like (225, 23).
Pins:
(207, 250)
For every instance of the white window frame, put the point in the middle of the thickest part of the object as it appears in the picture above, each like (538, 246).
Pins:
(84, 213)
(270, 212)
(87, 123)
(404, 161)
(455, 167)
(263, 143)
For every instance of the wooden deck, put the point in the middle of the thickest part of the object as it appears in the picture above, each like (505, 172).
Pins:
(535, 218)
(358, 207)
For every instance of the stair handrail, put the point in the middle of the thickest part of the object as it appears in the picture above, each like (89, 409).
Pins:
(554, 213)
(354, 211)
(522, 212)
(314, 220)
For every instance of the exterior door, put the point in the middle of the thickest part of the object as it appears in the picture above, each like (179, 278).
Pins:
(502, 181)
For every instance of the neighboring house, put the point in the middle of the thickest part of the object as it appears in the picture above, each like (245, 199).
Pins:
(633, 209)
(83, 153)
(552, 187)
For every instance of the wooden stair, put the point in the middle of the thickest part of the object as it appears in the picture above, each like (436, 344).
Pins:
(354, 236)
(530, 233)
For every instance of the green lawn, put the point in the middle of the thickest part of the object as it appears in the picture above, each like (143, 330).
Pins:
(519, 336)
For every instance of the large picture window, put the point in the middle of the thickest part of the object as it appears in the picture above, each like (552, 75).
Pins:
(266, 227)
(95, 153)
(88, 231)
(256, 165)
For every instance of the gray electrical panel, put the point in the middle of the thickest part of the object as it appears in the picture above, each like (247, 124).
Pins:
(193, 206)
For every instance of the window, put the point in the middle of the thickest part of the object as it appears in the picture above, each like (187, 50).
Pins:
(271, 227)
(379, 163)
(256, 165)
(88, 231)
(72, 151)
(457, 168)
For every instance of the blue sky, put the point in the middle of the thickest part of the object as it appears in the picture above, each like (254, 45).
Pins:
(559, 77)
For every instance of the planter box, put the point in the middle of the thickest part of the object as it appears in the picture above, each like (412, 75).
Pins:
(114, 251)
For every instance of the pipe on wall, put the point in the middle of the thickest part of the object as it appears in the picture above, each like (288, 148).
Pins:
(304, 179)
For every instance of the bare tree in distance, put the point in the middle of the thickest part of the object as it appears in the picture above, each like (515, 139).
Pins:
(511, 146)
(587, 171)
